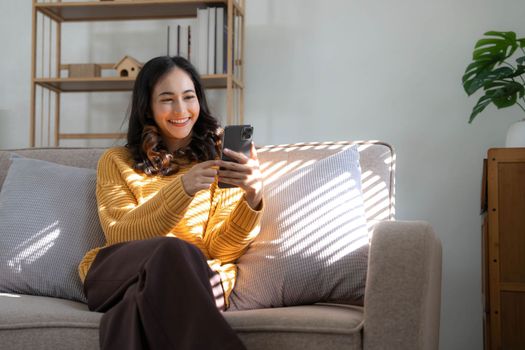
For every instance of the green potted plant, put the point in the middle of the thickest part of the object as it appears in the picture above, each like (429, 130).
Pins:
(498, 68)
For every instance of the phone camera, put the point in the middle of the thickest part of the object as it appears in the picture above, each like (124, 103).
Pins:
(247, 133)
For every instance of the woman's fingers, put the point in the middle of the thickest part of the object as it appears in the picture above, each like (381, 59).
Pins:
(253, 151)
(210, 172)
(236, 156)
(200, 176)
(244, 168)
(209, 164)
(233, 174)
(206, 169)
(243, 172)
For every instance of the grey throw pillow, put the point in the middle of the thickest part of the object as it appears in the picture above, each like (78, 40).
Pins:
(313, 244)
(48, 221)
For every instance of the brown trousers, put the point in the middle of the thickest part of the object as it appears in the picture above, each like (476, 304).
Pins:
(156, 294)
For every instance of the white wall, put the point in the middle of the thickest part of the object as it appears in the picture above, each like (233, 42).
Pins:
(15, 73)
(336, 70)
(347, 69)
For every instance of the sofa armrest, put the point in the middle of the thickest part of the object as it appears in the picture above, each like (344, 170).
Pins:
(403, 288)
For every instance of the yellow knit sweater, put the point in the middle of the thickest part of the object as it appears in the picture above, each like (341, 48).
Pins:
(135, 206)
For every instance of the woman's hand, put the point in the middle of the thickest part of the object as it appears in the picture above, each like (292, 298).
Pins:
(245, 174)
(200, 177)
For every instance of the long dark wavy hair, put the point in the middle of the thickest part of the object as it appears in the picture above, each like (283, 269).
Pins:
(149, 152)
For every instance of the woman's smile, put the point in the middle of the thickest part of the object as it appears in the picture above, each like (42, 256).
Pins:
(179, 122)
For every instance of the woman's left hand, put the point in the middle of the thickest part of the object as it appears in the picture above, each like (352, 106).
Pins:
(244, 174)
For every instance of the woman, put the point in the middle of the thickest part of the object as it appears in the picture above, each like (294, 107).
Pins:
(172, 236)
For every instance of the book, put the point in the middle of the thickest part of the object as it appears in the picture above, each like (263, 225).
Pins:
(221, 37)
(200, 50)
(191, 28)
(183, 50)
(178, 40)
(211, 39)
(172, 40)
(188, 46)
(238, 56)
(236, 46)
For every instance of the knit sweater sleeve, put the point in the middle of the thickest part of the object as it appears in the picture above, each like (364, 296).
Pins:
(125, 217)
(233, 225)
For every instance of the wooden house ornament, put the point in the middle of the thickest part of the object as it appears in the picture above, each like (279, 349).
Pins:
(128, 67)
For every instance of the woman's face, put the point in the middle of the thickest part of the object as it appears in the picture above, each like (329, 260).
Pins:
(175, 108)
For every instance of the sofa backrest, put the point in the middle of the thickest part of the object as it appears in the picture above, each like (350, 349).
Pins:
(377, 166)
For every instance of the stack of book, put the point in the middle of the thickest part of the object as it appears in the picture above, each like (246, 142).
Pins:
(202, 41)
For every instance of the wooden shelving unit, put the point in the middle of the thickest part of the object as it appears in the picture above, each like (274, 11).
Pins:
(504, 249)
(89, 11)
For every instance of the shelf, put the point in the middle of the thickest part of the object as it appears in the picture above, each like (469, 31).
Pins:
(125, 10)
(103, 84)
(86, 84)
(92, 136)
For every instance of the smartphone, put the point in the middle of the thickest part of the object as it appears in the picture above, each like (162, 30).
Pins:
(238, 138)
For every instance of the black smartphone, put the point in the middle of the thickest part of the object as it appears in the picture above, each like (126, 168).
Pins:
(238, 138)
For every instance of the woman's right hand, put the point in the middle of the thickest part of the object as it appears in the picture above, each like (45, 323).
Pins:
(200, 177)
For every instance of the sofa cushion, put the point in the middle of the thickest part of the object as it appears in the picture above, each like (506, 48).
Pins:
(63, 324)
(48, 221)
(77, 157)
(321, 326)
(313, 244)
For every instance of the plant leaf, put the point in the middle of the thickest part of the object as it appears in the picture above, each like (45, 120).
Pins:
(475, 68)
(488, 52)
(487, 71)
(504, 93)
(486, 76)
(510, 36)
(483, 102)
(520, 69)
(494, 47)
(499, 45)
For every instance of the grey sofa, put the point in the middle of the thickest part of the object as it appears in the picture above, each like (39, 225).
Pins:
(402, 294)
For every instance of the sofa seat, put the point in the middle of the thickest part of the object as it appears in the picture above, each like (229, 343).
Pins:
(63, 324)
(320, 326)
(55, 323)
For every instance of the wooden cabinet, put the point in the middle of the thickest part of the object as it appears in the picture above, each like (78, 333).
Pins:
(47, 84)
(504, 250)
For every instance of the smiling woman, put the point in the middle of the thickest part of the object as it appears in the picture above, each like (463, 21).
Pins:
(172, 235)
(168, 91)
(175, 108)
